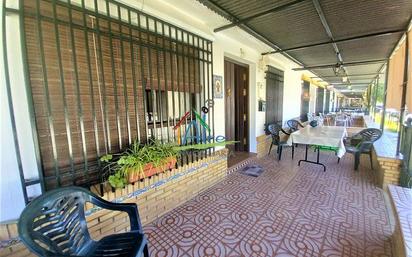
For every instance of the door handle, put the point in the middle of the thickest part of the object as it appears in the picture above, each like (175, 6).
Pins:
(229, 92)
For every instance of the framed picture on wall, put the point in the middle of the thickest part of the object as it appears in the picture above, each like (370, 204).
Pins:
(217, 86)
(262, 106)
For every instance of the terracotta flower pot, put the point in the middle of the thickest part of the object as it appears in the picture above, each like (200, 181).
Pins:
(149, 170)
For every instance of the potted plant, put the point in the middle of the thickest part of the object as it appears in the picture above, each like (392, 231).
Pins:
(139, 161)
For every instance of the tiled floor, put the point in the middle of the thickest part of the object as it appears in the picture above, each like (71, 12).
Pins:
(286, 211)
(235, 158)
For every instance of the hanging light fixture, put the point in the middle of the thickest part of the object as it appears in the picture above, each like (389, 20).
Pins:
(339, 70)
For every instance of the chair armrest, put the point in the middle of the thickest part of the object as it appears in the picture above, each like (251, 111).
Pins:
(283, 131)
(129, 208)
(346, 140)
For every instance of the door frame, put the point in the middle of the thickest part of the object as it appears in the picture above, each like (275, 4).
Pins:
(248, 98)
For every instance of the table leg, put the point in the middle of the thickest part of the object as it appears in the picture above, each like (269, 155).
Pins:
(317, 158)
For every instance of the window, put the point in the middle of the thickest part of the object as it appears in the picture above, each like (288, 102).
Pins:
(103, 76)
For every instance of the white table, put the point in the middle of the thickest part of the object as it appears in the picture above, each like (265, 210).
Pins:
(321, 136)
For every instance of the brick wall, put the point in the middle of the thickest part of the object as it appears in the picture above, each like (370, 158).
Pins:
(389, 171)
(154, 196)
(262, 145)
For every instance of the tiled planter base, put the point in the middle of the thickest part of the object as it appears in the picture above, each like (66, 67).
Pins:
(154, 196)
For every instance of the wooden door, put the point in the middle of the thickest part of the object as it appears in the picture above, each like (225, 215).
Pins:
(236, 105)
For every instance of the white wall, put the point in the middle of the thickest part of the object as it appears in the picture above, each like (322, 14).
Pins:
(12, 201)
(11, 194)
(312, 101)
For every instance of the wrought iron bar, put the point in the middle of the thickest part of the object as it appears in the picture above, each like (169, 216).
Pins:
(90, 81)
(11, 107)
(159, 102)
(77, 86)
(143, 81)
(165, 84)
(114, 79)
(125, 94)
(172, 82)
(63, 89)
(132, 55)
(29, 93)
(152, 91)
(50, 118)
(106, 130)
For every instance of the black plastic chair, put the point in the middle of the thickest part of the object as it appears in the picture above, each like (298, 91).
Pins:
(54, 224)
(275, 130)
(361, 143)
(294, 125)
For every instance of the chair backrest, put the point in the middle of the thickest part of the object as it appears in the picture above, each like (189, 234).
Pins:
(54, 224)
(293, 124)
(370, 134)
(275, 130)
(310, 116)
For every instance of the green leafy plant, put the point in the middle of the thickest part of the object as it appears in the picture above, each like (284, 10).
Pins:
(135, 158)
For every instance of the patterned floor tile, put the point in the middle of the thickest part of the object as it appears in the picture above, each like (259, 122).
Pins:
(286, 211)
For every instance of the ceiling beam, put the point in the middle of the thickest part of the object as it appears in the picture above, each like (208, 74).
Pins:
(325, 66)
(226, 14)
(257, 15)
(351, 84)
(325, 24)
(352, 75)
(348, 39)
(327, 28)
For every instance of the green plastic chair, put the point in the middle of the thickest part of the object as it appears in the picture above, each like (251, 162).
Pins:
(54, 224)
(361, 143)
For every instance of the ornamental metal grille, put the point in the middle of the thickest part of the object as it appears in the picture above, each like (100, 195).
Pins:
(102, 75)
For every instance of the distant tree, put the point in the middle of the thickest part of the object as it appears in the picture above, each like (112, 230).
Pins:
(380, 93)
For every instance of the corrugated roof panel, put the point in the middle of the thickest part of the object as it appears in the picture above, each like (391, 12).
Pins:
(356, 17)
(363, 78)
(246, 8)
(324, 72)
(364, 69)
(316, 55)
(300, 25)
(356, 80)
(295, 26)
(369, 48)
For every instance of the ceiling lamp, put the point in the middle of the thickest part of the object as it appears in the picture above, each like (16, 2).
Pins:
(339, 70)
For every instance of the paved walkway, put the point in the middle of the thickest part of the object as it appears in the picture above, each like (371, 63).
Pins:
(286, 211)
